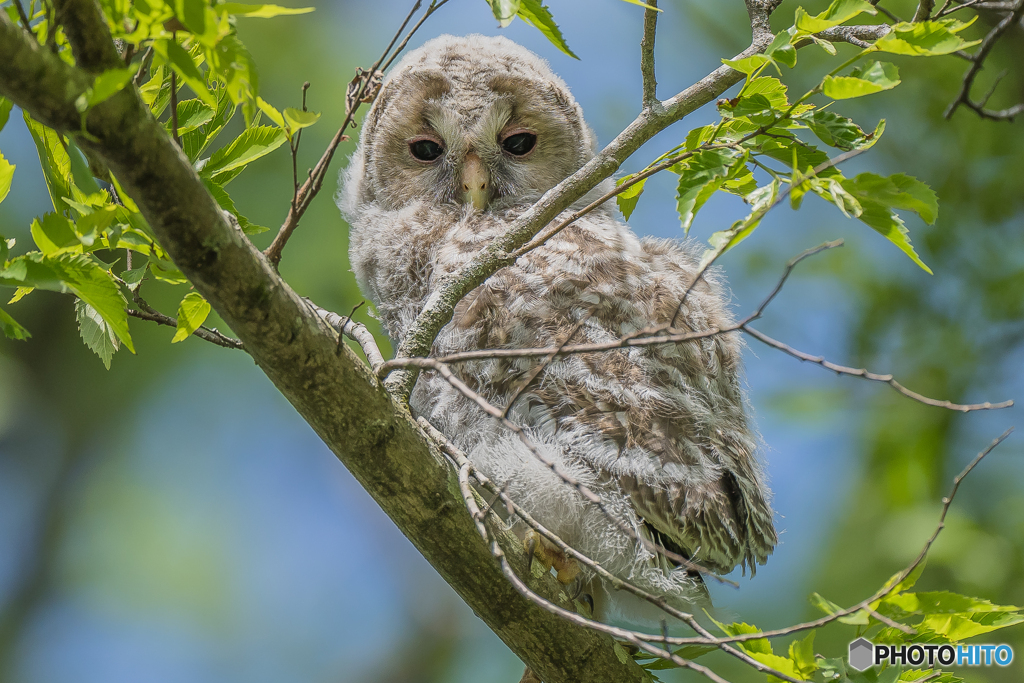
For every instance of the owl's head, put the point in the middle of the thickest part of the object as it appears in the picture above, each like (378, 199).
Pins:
(472, 120)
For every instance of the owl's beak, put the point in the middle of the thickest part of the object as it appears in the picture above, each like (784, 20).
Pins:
(476, 182)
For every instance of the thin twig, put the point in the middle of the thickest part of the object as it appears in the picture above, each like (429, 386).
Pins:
(147, 312)
(871, 376)
(978, 60)
(355, 331)
(24, 17)
(650, 92)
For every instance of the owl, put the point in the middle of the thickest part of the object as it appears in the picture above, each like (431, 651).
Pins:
(466, 133)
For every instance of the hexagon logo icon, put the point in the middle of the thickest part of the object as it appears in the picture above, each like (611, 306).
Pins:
(862, 654)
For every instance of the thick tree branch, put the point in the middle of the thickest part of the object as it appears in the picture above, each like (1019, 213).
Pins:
(87, 32)
(374, 436)
(438, 309)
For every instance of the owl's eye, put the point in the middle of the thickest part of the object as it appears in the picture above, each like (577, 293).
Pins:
(426, 149)
(519, 144)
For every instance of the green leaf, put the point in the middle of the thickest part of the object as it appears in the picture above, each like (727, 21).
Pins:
(537, 15)
(887, 223)
(6, 177)
(628, 198)
(504, 10)
(192, 13)
(192, 314)
(133, 278)
(867, 80)
(53, 234)
(898, 191)
(748, 65)
(701, 176)
(638, 3)
(272, 113)
(191, 115)
(182, 63)
(260, 11)
(5, 111)
(781, 48)
(760, 200)
(838, 12)
(958, 627)
(95, 332)
(840, 132)
(197, 141)
(54, 160)
(802, 653)
(943, 602)
(226, 203)
(824, 604)
(769, 86)
(252, 144)
(924, 38)
(298, 119)
(232, 64)
(806, 155)
(11, 328)
(91, 283)
(105, 86)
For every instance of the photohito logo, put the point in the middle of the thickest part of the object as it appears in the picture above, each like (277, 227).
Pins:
(864, 654)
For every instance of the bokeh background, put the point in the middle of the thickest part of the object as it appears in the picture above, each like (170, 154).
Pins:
(173, 519)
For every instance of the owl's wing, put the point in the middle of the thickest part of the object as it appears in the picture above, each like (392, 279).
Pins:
(686, 453)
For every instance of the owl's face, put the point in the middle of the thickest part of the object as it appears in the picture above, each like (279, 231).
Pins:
(476, 121)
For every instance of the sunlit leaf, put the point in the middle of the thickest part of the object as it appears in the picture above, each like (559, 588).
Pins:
(106, 85)
(748, 65)
(252, 144)
(182, 63)
(298, 119)
(504, 10)
(867, 80)
(53, 233)
(5, 111)
(701, 176)
(840, 132)
(628, 198)
(54, 160)
(538, 15)
(191, 115)
(94, 285)
(837, 13)
(6, 176)
(924, 38)
(192, 313)
(898, 191)
(260, 11)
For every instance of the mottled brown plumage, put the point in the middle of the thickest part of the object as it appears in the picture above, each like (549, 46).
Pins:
(660, 432)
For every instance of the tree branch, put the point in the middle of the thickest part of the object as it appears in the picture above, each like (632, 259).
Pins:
(647, 55)
(374, 436)
(977, 61)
